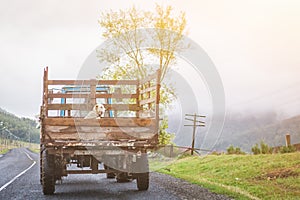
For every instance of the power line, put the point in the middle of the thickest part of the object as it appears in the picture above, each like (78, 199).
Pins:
(196, 123)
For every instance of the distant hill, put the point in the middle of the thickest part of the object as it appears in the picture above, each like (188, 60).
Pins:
(243, 130)
(272, 133)
(23, 128)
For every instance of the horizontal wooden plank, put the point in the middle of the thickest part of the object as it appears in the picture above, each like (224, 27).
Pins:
(121, 96)
(149, 89)
(98, 145)
(146, 101)
(75, 136)
(119, 107)
(122, 107)
(122, 135)
(61, 95)
(96, 130)
(98, 136)
(148, 78)
(68, 107)
(103, 122)
(89, 82)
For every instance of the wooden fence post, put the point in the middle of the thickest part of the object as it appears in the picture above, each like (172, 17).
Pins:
(171, 150)
(288, 140)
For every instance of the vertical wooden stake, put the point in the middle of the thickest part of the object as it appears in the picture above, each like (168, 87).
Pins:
(194, 131)
(288, 140)
(92, 93)
(137, 113)
(171, 150)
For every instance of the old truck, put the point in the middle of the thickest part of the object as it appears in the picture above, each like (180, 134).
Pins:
(116, 144)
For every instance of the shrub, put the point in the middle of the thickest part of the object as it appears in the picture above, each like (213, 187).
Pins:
(287, 149)
(265, 149)
(262, 149)
(232, 150)
(255, 149)
(165, 137)
(184, 155)
(216, 153)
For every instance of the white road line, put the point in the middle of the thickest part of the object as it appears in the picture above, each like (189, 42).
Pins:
(28, 156)
(23, 172)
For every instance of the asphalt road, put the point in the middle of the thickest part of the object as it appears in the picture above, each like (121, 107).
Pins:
(19, 179)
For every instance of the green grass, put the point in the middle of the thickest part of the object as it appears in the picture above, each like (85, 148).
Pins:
(17, 144)
(35, 148)
(274, 176)
(3, 151)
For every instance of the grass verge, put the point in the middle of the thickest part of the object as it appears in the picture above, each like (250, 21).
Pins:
(4, 151)
(275, 176)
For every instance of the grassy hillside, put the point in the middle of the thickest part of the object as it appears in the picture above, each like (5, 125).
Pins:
(272, 133)
(243, 130)
(274, 176)
(23, 128)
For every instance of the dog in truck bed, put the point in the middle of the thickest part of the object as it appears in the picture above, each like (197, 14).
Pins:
(97, 112)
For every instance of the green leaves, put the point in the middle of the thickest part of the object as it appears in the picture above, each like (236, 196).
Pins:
(20, 127)
(122, 26)
(164, 137)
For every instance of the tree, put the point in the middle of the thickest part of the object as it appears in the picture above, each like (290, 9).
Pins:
(129, 60)
(122, 26)
(164, 137)
(168, 41)
(19, 127)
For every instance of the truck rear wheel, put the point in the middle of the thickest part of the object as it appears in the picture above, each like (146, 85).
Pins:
(111, 174)
(142, 176)
(41, 170)
(142, 181)
(48, 177)
(123, 177)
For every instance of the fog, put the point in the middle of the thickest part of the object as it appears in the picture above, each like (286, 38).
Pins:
(254, 45)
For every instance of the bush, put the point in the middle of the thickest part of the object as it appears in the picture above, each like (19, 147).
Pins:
(165, 138)
(263, 149)
(255, 149)
(287, 149)
(232, 150)
(216, 153)
(184, 155)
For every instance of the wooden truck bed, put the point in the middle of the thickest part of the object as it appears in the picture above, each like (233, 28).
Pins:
(131, 119)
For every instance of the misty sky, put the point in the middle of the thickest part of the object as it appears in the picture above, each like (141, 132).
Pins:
(254, 44)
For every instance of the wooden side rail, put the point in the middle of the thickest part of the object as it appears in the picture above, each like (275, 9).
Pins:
(150, 90)
(65, 96)
(116, 96)
(103, 122)
(68, 95)
(89, 82)
(119, 107)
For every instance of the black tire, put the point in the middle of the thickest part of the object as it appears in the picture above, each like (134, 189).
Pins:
(142, 173)
(48, 176)
(123, 178)
(142, 181)
(109, 175)
(41, 163)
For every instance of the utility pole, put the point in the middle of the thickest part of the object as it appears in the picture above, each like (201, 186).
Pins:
(196, 123)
